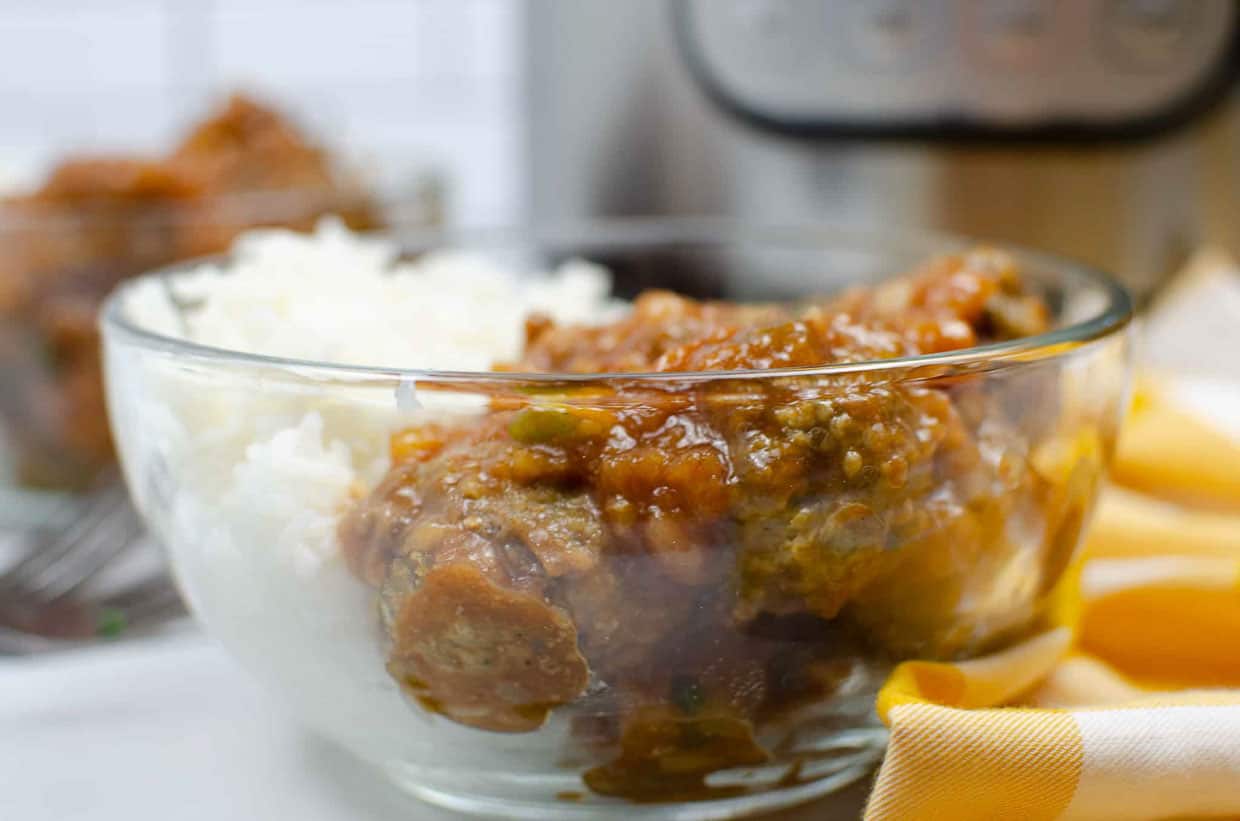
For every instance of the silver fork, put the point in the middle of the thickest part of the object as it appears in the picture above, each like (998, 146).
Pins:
(41, 606)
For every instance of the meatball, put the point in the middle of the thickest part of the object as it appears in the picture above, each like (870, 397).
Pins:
(466, 566)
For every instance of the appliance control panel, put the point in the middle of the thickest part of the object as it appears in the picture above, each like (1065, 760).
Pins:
(1023, 68)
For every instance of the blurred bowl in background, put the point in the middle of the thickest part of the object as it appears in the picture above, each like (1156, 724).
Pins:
(98, 220)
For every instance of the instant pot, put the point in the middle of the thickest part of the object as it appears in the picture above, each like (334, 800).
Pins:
(1105, 129)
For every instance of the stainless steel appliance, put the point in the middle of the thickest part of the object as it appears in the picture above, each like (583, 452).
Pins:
(1105, 129)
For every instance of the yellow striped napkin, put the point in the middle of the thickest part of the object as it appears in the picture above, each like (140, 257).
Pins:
(1131, 710)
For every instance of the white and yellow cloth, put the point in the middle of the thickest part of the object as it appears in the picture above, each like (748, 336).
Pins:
(1131, 710)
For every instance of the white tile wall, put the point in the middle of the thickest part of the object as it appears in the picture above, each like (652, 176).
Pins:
(404, 83)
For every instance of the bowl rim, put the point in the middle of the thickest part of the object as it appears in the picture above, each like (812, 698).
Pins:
(622, 232)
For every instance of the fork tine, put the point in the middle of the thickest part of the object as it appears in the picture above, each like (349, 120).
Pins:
(46, 552)
(116, 534)
(76, 556)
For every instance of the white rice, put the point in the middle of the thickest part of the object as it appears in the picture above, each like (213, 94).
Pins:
(245, 480)
(335, 296)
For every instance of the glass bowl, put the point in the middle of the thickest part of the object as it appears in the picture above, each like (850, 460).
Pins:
(527, 661)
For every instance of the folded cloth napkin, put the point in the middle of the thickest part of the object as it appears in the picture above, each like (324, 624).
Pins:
(1130, 707)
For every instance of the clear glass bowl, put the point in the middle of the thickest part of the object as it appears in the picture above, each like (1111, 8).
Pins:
(915, 507)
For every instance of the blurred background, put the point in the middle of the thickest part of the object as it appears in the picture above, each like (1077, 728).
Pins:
(1108, 129)
(406, 87)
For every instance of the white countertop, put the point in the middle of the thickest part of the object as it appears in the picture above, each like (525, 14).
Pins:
(170, 728)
